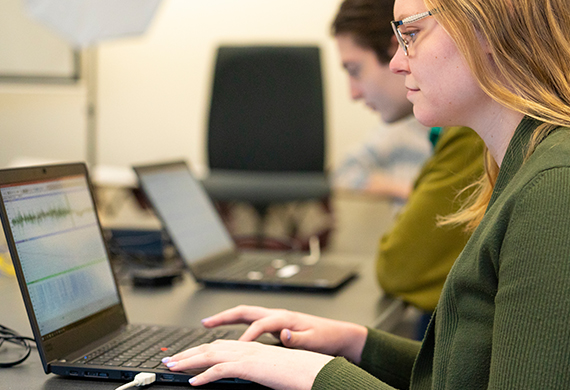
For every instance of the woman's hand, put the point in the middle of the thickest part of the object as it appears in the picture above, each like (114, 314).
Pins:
(296, 330)
(275, 367)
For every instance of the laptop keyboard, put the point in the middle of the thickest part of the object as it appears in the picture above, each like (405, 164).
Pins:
(145, 346)
(260, 265)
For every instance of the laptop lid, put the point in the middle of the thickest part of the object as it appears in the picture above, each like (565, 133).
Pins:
(187, 213)
(60, 257)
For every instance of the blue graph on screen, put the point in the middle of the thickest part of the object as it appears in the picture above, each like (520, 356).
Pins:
(61, 251)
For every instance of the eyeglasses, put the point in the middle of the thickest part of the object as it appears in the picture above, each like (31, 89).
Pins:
(410, 19)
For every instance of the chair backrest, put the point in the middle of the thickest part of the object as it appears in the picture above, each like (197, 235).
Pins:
(267, 109)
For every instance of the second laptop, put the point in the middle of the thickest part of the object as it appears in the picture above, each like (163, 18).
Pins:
(202, 240)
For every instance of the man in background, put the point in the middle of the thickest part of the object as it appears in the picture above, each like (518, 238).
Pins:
(386, 164)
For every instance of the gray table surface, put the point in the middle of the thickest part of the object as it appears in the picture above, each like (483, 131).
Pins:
(186, 303)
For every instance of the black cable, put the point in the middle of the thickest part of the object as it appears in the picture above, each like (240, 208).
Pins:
(11, 336)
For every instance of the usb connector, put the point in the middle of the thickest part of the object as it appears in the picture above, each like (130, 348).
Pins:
(141, 379)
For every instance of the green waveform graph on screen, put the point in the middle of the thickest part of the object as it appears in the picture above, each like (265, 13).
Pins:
(49, 214)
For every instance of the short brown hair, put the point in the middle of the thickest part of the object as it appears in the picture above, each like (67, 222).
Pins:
(368, 22)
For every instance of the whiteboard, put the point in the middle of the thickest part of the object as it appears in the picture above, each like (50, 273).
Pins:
(30, 52)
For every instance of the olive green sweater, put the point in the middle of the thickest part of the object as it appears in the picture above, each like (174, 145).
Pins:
(415, 255)
(502, 320)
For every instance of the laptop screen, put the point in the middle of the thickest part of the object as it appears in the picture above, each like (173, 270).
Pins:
(61, 250)
(185, 210)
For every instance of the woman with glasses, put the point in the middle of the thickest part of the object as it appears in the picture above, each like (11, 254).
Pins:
(500, 67)
(415, 255)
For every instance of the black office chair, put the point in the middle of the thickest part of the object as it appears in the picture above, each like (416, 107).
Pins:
(266, 130)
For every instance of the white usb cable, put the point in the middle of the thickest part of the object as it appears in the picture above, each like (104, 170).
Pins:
(141, 379)
(315, 251)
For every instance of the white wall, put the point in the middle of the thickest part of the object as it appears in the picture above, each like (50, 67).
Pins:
(153, 89)
(46, 123)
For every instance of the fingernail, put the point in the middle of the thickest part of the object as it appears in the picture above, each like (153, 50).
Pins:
(288, 334)
(166, 360)
(206, 319)
(171, 364)
(192, 380)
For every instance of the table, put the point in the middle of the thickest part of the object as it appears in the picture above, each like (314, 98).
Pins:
(187, 302)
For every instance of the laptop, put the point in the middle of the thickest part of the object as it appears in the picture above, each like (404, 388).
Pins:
(69, 290)
(203, 242)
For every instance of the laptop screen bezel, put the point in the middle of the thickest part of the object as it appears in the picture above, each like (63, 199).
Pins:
(79, 334)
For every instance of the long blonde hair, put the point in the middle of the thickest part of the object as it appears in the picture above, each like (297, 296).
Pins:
(519, 51)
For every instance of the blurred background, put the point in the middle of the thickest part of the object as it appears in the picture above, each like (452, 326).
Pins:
(144, 97)
(153, 89)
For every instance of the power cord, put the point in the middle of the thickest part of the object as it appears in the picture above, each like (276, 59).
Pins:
(141, 379)
(11, 336)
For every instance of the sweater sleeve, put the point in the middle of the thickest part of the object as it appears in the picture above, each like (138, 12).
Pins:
(387, 362)
(530, 331)
(416, 255)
